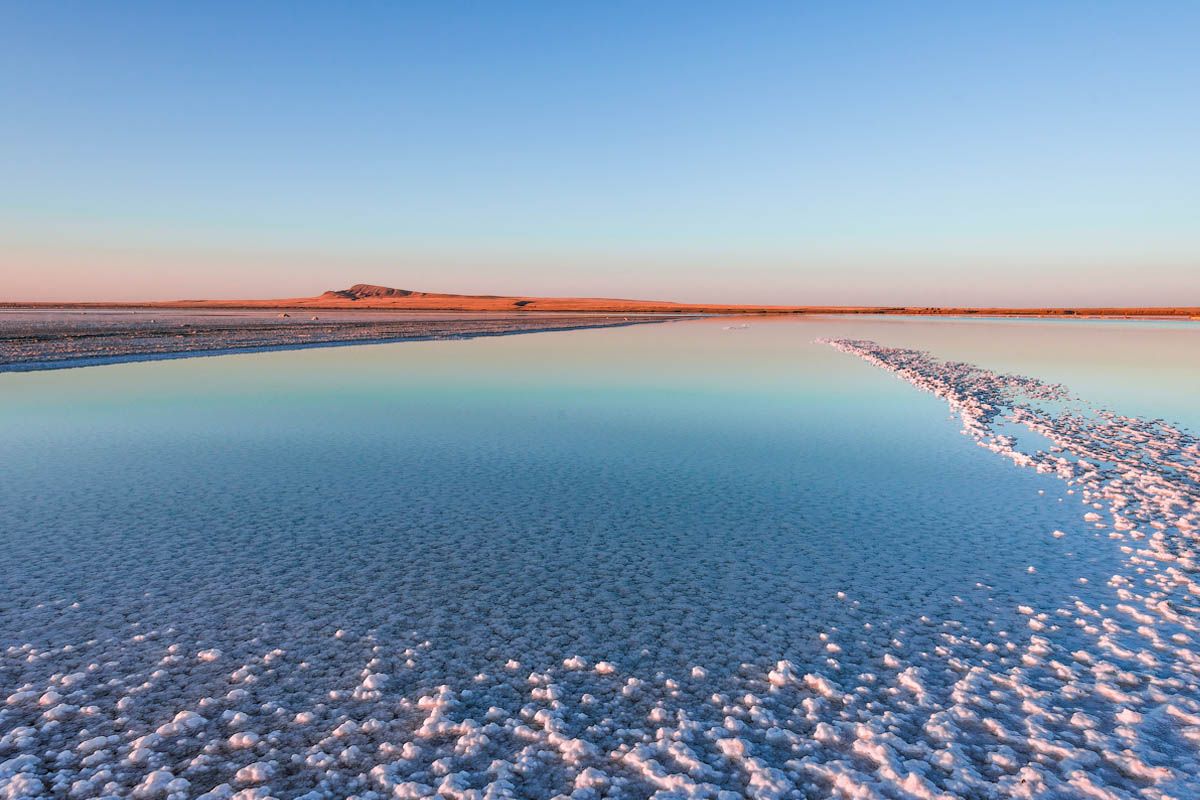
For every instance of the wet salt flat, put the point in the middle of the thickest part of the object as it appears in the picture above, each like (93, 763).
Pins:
(679, 560)
(44, 338)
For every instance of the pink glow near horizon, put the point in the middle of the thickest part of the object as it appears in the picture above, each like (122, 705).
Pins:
(78, 274)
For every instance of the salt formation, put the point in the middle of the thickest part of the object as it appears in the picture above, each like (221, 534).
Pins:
(233, 683)
(1145, 474)
(38, 340)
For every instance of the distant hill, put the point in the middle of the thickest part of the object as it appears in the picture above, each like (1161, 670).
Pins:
(364, 291)
(370, 296)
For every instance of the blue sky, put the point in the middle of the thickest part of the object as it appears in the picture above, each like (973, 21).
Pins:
(803, 153)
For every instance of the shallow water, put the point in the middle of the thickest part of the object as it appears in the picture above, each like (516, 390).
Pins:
(691, 503)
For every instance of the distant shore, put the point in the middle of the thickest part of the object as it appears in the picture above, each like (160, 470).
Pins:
(1187, 313)
(367, 297)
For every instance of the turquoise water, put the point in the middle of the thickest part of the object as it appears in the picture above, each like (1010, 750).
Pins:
(663, 498)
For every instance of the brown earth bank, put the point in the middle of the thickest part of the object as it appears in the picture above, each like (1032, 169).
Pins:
(370, 297)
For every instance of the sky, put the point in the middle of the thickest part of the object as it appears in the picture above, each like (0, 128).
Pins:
(858, 152)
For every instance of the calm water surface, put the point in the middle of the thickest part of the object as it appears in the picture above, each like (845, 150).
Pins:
(662, 498)
(615, 467)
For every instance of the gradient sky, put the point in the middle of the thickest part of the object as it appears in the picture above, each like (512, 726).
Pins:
(930, 153)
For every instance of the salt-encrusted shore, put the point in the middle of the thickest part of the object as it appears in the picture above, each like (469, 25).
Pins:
(38, 340)
(1122, 717)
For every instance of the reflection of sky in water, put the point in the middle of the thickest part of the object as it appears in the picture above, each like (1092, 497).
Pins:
(664, 497)
(548, 454)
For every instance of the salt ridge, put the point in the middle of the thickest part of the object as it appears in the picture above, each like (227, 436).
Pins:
(1135, 694)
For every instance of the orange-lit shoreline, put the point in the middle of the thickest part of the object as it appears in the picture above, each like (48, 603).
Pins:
(377, 298)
